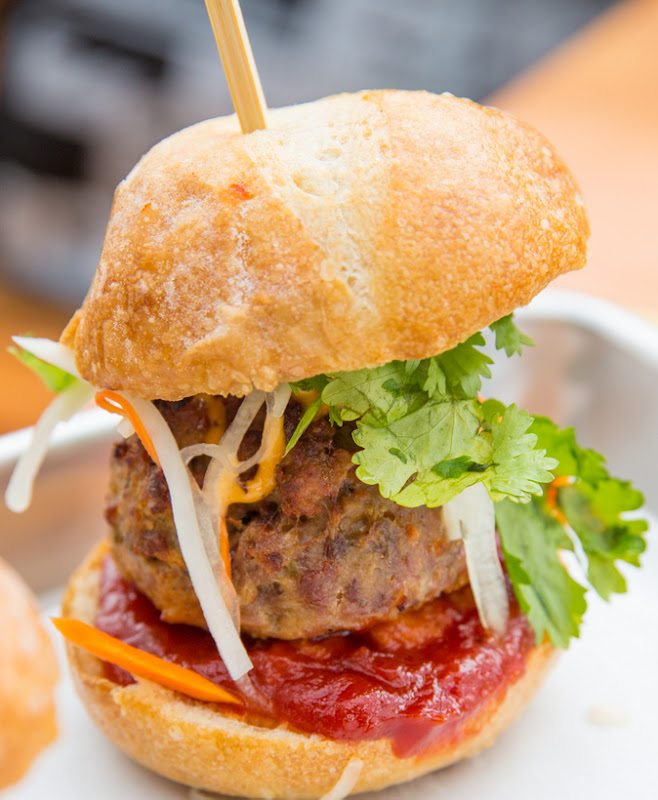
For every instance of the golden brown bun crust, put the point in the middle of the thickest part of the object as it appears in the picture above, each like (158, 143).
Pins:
(28, 674)
(353, 231)
(196, 744)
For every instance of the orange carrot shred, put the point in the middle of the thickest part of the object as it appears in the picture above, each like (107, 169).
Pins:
(551, 497)
(142, 664)
(116, 404)
(224, 547)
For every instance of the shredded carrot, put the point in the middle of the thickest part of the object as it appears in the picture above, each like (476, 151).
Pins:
(551, 497)
(224, 546)
(142, 664)
(116, 404)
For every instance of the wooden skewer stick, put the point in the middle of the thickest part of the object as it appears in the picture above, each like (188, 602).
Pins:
(239, 65)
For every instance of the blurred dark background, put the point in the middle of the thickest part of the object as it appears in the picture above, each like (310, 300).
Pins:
(86, 87)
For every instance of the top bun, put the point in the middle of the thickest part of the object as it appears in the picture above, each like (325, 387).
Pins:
(353, 231)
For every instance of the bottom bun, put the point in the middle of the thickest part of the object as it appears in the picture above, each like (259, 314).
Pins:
(199, 745)
(28, 674)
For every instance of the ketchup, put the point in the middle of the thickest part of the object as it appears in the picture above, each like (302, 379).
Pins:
(413, 680)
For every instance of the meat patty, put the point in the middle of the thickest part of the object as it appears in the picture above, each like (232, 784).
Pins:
(322, 553)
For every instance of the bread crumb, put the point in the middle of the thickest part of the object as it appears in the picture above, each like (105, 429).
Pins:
(607, 715)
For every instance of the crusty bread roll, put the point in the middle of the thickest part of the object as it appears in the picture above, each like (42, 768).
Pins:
(201, 745)
(28, 673)
(354, 230)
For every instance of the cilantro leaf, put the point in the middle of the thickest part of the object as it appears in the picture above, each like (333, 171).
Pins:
(425, 451)
(381, 394)
(604, 540)
(456, 467)
(56, 379)
(519, 467)
(459, 372)
(592, 505)
(423, 436)
(573, 459)
(508, 337)
(435, 432)
(551, 599)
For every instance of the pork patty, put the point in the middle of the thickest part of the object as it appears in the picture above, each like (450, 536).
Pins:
(322, 553)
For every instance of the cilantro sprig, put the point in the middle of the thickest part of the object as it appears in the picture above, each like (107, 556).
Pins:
(424, 436)
(589, 510)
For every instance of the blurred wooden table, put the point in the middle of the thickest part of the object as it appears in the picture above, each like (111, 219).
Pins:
(596, 98)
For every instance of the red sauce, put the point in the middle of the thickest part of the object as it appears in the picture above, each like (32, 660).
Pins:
(413, 680)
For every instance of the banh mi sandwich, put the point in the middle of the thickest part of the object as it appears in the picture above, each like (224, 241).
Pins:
(315, 508)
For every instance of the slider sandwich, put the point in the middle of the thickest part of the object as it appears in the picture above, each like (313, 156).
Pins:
(28, 674)
(330, 559)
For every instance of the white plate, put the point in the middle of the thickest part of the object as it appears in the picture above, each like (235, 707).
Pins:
(590, 733)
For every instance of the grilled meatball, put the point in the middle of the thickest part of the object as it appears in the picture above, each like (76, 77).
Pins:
(323, 552)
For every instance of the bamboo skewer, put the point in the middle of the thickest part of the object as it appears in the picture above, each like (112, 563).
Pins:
(238, 60)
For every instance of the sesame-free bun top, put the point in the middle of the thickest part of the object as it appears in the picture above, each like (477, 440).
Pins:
(354, 230)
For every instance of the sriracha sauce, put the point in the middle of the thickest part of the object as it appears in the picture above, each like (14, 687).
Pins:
(413, 680)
